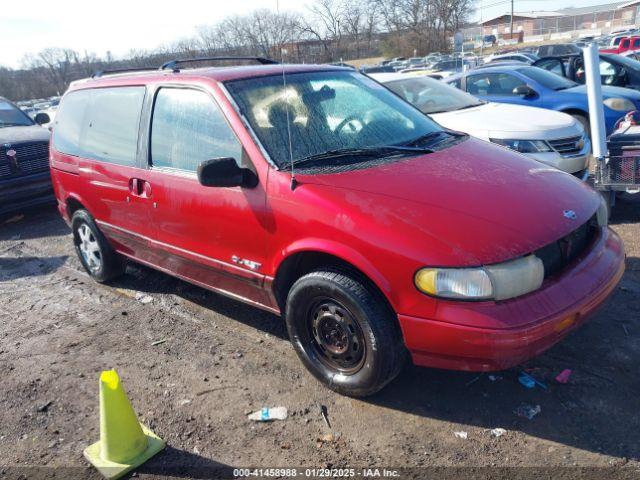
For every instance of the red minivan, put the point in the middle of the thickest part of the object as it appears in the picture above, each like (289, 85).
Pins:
(316, 193)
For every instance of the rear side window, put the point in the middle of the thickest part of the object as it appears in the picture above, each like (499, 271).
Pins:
(100, 124)
(113, 122)
(493, 84)
(189, 128)
(69, 122)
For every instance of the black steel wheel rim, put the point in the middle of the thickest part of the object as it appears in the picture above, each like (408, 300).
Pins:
(336, 336)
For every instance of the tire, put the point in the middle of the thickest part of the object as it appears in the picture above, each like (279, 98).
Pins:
(98, 258)
(584, 121)
(344, 333)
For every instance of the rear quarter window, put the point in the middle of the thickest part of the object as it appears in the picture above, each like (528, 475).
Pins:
(100, 124)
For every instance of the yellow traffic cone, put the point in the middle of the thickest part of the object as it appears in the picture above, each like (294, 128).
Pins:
(124, 442)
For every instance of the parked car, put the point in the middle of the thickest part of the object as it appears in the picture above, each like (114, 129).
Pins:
(616, 70)
(489, 40)
(330, 200)
(558, 49)
(415, 61)
(535, 87)
(625, 44)
(342, 64)
(24, 159)
(398, 64)
(448, 67)
(527, 58)
(614, 40)
(500, 63)
(377, 69)
(553, 138)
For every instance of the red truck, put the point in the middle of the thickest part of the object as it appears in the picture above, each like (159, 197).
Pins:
(627, 43)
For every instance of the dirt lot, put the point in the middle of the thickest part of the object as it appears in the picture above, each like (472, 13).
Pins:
(222, 359)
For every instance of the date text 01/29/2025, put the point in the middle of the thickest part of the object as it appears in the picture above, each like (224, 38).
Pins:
(316, 472)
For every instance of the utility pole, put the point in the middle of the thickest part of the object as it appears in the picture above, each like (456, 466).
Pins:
(511, 27)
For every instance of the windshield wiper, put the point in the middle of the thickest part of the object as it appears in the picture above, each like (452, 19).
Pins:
(429, 137)
(471, 105)
(13, 125)
(366, 152)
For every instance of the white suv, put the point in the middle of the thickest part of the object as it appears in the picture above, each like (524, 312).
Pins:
(553, 138)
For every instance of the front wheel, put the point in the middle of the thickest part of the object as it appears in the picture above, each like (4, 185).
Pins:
(344, 333)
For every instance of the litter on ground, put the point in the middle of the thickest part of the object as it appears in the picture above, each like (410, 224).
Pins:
(527, 411)
(530, 381)
(563, 376)
(266, 414)
(143, 298)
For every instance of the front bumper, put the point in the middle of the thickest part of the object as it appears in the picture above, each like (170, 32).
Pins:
(24, 192)
(573, 164)
(544, 317)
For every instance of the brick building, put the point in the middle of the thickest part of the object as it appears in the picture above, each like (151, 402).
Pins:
(599, 19)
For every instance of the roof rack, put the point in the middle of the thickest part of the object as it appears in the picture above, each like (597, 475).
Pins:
(174, 64)
(101, 73)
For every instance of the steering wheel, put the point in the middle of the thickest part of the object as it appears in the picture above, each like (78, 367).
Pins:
(347, 121)
(429, 102)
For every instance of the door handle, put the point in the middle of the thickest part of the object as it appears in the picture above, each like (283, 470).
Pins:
(139, 187)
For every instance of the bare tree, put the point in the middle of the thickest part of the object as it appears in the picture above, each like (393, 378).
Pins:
(326, 17)
(56, 63)
(330, 30)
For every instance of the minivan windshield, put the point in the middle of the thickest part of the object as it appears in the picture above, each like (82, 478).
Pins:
(11, 116)
(318, 113)
(432, 96)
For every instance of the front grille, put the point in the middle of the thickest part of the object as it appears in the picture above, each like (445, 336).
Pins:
(30, 158)
(558, 255)
(568, 146)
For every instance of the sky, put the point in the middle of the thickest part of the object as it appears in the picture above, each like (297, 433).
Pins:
(28, 26)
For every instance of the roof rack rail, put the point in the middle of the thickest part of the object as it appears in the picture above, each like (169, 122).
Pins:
(101, 73)
(174, 64)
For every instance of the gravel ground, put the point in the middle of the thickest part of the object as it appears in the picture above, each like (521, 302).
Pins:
(219, 360)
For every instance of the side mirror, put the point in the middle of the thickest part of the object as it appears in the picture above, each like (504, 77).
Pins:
(524, 91)
(225, 172)
(42, 118)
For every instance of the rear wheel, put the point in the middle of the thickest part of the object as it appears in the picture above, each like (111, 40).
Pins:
(344, 333)
(96, 255)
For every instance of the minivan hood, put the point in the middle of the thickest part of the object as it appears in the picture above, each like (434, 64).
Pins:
(503, 120)
(472, 204)
(30, 133)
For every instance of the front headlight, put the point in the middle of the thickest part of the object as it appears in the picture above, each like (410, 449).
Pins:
(493, 282)
(602, 214)
(524, 146)
(620, 104)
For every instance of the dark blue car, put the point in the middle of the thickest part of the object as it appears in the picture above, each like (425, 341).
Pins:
(24, 160)
(525, 85)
